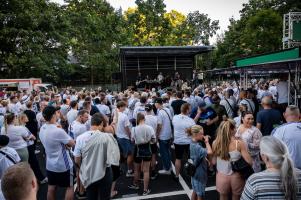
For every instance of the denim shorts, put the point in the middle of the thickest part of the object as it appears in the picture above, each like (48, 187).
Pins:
(126, 146)
(198, 187)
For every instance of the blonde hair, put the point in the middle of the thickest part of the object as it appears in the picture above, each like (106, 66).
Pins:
(223, 139)
(20, 118)
(194, 130)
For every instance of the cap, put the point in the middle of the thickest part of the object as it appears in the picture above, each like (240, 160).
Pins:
(49, 111)
(4, 140)
(159, 100)
(202, 104)
(148, 107)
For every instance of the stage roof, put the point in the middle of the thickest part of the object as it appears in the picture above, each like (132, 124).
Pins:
(164, 50)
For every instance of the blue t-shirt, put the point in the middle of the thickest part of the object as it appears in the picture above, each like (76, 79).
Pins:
(198, 156)
(269, 119)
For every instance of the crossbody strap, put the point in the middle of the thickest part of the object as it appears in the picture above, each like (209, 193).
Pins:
(250, 105)
(8, 157)
(230, 106)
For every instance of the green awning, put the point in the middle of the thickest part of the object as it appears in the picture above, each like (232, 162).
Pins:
(285, 55)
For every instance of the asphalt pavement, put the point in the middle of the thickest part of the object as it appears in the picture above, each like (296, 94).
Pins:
(163, 188)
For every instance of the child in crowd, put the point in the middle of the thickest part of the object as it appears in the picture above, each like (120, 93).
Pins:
(198, 155)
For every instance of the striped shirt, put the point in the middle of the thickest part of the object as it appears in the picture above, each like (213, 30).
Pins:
(267, 185)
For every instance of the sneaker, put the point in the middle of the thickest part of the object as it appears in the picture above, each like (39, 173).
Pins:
(154, 175)
(129, 173)
(45, 180)
(81, 196)
(165, 172)
(134, 187)
(37, 151)
(146, 192)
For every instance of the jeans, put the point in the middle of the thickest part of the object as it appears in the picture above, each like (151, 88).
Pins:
(101, 190)
(165, 153)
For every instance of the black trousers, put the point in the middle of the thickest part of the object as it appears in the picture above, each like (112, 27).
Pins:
(34, 164)
(101, 190)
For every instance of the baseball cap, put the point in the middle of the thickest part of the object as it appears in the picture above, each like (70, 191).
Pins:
(49, 111)
(159, 100)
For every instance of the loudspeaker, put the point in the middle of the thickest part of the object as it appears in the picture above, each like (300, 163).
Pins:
(117, 76)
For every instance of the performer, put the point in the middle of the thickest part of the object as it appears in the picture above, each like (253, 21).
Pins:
(160, 78)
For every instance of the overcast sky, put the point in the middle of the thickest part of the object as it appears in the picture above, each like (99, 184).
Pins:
(220, 10)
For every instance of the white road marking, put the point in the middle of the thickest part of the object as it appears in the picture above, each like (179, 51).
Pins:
(166, 194)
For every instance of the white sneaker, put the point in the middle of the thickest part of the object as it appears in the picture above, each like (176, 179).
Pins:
(165, 172)
(37, 151)
(129, 173)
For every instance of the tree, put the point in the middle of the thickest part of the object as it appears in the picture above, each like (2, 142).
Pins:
(201, 27)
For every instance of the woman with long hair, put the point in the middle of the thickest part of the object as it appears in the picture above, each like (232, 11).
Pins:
(18, 135)
(227, 148)
(280, 180)
(251, 136)
(142, 135)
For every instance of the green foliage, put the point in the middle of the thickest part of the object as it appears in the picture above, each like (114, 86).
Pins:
(259, 30)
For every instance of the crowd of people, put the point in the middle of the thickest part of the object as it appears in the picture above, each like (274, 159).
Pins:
(249, 139)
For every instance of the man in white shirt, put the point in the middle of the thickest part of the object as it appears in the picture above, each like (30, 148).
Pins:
(59, 166)
(98, 183)
(140, 108)
(8, 156)
(229, 105)
(64, 108)
(123, 133)
(78, 126)
(164, 134)
(12, 106)
(290, 134)
(72, 114)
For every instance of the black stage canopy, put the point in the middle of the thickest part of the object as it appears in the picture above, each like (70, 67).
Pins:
(151, 60)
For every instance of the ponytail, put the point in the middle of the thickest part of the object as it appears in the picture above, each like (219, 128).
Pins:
(288, 178)
(8, 119)
(194, 130)
(277, 153)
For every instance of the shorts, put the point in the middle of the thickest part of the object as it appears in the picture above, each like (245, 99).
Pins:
(154, 148)
(180, 149)
(198, 187)
(126, 146)
(140, 159)
(61, 179)
(226, 184)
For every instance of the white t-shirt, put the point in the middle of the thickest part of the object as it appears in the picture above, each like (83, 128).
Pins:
(54, 140)
(123, 121)
(138, 109)
(164, 120)
(290, 134)
(181, 123)
(5, 162)
(282, 90)
(143, 134)
(40, 119)
(76, 129)
(13, 108)
(229, 106)
(71, 115)
(152, 121)
(81, 142)
(16, 136)
(103, 109)
(64, 109)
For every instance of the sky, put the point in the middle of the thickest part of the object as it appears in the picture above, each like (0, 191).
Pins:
(220, 10)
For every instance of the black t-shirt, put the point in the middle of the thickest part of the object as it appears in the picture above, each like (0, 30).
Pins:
(269, 119)
(176, 106)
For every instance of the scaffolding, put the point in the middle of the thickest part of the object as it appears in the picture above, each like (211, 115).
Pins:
(291, 30)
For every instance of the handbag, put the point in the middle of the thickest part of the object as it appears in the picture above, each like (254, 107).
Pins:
(144, 151)
(241, 166)
(190, 168)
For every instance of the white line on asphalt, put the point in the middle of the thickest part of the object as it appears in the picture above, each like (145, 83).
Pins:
(183, 183)
(166, 194)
